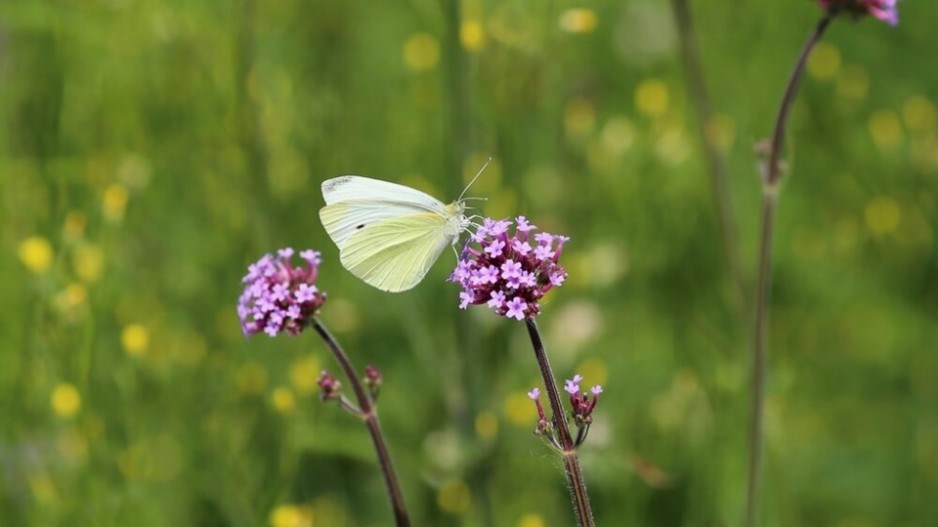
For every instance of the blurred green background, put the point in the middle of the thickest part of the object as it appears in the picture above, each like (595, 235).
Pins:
(152, 149)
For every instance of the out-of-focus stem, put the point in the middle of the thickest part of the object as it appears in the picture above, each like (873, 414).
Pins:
(770, 191)
(454, 66)
(370, 416)
(716, 164)
(571, 464)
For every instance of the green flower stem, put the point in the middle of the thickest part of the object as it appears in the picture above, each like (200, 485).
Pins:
(770, 192)
(571, 464)
(716, 164)
(370, 416)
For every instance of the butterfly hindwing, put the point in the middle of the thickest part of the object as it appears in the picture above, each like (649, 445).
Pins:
(395, 254)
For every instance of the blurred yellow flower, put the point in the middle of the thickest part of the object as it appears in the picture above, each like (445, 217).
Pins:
(486, 425)
(303, 374)
(532, 519)
(289, 515)
(88, 262)
(454, 496)
(883, 215)
(74, 227)
(578, 20)
(36, 254)
(652, 98)
(853, 83)
(135, 338)
(421, 52)
(65, 400)
(721, 131)
(72, 296)
(919, 114)
(115, 201)
(472, 35)
(824, 63)
(885, 129)
(520, 409)
(283, 400)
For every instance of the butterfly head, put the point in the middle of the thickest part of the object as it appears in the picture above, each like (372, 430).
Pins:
(457, 222)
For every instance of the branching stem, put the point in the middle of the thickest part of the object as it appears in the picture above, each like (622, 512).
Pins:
(770, 191)
(370, 416)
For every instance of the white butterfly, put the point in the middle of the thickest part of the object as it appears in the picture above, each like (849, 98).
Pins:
(388, 235)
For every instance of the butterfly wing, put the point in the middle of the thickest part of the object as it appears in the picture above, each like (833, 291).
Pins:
(343, 219)
(353, 202)
(359, 188)
(395, 254)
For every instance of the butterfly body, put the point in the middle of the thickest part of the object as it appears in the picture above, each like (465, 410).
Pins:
(388, 235)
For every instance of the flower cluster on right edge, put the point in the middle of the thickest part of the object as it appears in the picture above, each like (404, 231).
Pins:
(885, 10)
(509, 271)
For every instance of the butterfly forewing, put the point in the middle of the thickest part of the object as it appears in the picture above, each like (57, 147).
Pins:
(360, 188)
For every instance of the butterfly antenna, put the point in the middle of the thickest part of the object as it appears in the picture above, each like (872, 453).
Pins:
(479, 173)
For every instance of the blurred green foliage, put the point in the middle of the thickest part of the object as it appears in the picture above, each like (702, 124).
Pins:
(152, 149)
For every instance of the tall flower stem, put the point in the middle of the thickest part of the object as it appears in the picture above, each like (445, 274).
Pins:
(370, 417)
(571, 464)
(716, 164)
(770, 193)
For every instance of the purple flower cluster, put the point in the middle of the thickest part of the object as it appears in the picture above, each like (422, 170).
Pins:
(580, 401)
(582, 407)
(509, 272)
(885, 10)
(278, 296)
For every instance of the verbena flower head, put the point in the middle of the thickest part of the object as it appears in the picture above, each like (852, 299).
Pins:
(279, 296)
(509, 271)
(885, 10)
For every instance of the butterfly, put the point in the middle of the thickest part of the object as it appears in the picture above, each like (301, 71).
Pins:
(389, 235)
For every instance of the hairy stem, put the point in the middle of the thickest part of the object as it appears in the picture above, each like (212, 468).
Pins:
(571, 464)
(370, 416)
(770, 188)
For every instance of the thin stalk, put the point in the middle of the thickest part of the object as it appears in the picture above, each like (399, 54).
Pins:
(370, 416)
(457, 97)
(571, 464)
(770, 192)
(716, 164)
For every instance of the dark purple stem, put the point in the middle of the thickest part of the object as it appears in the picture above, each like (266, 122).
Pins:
(370, 416)
(760, 344)
(571, 464)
